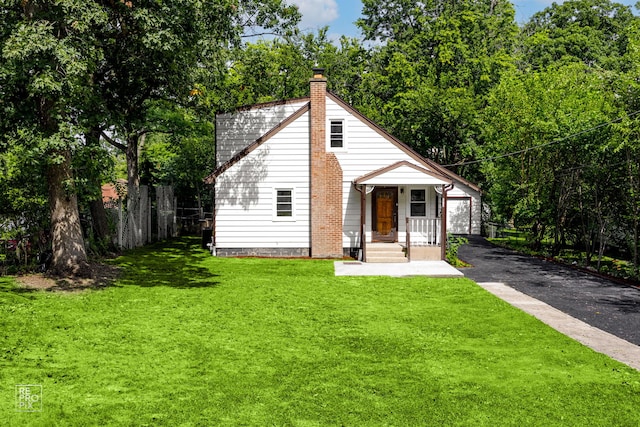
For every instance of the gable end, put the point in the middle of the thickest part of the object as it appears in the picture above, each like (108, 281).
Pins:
(401, 145)
(210, 179)
(397, 165)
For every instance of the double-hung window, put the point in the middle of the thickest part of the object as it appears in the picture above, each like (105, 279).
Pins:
(418, 203)
(283, 204)
(336, 134)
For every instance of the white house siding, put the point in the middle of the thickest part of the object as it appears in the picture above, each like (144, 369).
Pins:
(366, 151)
(464, 210)
(236, 130)
(245, 193)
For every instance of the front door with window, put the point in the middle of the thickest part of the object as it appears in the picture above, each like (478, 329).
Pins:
(385, 214)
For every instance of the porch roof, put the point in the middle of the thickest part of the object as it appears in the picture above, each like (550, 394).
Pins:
(402, 173)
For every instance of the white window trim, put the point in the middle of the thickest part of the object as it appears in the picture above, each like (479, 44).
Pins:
(277, 218)
(344, 134)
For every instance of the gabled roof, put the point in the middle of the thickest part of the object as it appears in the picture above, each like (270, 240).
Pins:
(255, 144)
(401, 145)
(266, 105)
(402, 172)
(430, 164)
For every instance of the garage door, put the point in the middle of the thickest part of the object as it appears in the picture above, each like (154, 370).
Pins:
(458, 215)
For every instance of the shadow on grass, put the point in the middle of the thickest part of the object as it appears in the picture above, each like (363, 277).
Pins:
(8, 288)
(173, 263)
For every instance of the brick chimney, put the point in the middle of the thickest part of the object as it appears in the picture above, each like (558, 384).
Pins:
(326, 178)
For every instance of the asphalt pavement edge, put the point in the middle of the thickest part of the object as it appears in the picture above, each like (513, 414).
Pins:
(594, 338)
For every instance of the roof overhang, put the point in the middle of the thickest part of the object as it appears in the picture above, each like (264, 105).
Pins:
(403, 173)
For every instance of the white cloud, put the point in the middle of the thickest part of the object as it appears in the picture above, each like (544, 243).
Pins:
(316, 13)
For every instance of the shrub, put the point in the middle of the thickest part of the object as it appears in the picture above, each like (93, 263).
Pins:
(453, 244)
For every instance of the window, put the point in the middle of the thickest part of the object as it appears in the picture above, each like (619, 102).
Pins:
(284, 203)
(418, 203)
(336, 134)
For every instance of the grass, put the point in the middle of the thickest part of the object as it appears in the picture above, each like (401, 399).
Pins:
(187, 339)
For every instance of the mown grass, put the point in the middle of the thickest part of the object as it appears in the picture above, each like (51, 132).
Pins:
(187, 339)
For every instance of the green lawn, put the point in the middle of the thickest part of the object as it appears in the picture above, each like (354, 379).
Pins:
(187, 339)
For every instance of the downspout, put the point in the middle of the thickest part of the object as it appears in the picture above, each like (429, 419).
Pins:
(443, 225)
(470, 215)
(363, 207)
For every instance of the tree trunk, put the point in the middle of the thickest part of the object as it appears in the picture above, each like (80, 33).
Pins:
(99, 220)
(98, 213)
(134, 219)
(67, 243)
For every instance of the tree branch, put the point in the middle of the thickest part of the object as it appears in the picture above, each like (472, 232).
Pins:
(266, 33)
(113, 142)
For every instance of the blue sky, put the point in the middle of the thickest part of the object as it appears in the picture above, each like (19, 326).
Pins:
(340, 15)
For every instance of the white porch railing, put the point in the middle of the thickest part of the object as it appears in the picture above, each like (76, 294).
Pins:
(422, 231)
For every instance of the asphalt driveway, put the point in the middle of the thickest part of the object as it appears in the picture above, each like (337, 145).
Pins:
(607, 305)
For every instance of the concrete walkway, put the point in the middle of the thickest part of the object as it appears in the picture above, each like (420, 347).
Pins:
(594, 338)
(413, 268)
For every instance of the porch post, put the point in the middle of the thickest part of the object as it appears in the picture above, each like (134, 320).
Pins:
(443, 225)
(408, 238)
(363, 216)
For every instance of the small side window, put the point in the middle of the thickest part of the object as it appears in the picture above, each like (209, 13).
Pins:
(336, 134)
(284, 203)
(418, 203)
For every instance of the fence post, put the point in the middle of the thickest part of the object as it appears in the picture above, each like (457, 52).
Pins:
(120, 224)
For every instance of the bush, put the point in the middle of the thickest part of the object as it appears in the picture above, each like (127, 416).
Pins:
(453, 244)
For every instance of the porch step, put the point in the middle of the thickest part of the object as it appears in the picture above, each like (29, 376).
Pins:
(385, 252)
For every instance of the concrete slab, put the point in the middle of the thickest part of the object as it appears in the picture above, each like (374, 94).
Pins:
(413, 268)
(597, 339)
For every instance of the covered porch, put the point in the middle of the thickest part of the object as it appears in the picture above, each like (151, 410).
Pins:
(402, 208)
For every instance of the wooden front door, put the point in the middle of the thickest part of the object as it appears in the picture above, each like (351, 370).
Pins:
(385, 214)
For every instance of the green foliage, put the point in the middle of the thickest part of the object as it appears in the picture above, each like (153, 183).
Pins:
(593, 32)
(453, 244)
(560, 133)
(428, 82)
(457, 81)
(23, 198)
(543, 160)
(280, 68)
(70, 68)
(181, 156)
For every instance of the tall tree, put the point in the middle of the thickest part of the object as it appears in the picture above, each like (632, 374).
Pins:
(593, 32)
(546, 139)
(48, 51)
(279, 69)
(155, 51)
(626, 89)
(428, 80)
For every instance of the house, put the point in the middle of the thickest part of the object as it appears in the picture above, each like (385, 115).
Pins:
(112, 193)
(314, 177)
